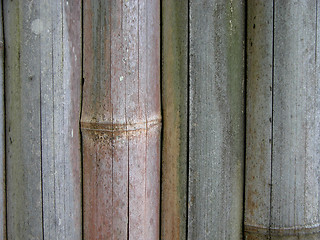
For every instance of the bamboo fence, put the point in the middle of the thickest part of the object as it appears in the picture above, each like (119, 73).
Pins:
(149, 119)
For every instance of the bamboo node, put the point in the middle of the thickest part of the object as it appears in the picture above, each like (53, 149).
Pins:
(118, 128)
(285, 231)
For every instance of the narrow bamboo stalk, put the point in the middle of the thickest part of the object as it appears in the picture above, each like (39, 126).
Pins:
(43, 83)
(2, 137)
(121, 119)
(216, 149)
(283, 175)
(175, 119)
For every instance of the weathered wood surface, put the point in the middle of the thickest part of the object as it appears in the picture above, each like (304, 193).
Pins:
(43, 83)
(2, 137)
(216, 150)
(294, 153)
(175, 119)
(121, 119)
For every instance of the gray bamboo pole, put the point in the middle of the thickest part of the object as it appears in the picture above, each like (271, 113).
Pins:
(216, 149)
(175, 119)
(121, 119)
(43, 83)
(283, 127)
(2, 137)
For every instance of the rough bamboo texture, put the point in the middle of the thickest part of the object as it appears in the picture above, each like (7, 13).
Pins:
(2, 137)
(175, 119)
(216, 137)
(283, 127)
(43, 83)
(121, 119)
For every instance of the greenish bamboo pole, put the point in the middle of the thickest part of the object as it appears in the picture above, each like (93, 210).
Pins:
(216, 136)
(175, 119)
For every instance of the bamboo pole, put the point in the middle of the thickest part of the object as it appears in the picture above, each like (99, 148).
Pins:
(282, 164)
(259, 115)
(216, 136)
(175, 119)
(2, 137)
(121, 119)
(43, 83)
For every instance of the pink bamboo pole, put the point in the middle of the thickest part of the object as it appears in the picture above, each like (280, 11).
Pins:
(121, 119)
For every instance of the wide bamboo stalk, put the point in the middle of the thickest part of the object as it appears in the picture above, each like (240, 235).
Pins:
(2, 137)
(121, 119)
(43, 83)
(216, 137)
(175, 119)
(282, 196)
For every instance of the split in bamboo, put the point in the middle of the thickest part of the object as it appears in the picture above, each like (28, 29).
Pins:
(2, 137)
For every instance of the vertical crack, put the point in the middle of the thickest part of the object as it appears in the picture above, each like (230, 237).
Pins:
(110, 14)
(188, 117)
(245, 115)
(40, 124)
(80, 114)
(5, 216)
(161, 112)
(272, 116)
(316, 35)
